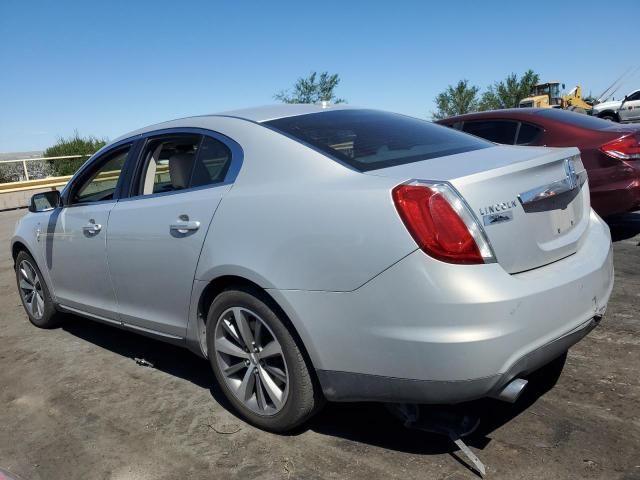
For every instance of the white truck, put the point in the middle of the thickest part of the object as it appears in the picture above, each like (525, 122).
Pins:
(623, 111)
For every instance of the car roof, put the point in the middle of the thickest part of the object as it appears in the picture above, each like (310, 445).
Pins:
(507, 112)
(255, 114)
(272, 112)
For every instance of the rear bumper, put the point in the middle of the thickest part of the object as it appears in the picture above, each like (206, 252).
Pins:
(428, 332)
(350, 387)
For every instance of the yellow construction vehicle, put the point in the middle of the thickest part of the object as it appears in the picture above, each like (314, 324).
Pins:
(547, 95)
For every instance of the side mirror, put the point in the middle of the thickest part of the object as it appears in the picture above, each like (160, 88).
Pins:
(41, 202)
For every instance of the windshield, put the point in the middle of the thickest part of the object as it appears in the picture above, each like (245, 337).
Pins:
(370, 139)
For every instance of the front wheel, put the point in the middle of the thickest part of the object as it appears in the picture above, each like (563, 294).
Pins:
(34, 293)
(258, 363)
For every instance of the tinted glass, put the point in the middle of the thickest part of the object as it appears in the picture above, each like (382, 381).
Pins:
(102, 184)
(368, 139)
(499, 131)
(212, 164)
(528, 134)
(577, 119)
(634, 97)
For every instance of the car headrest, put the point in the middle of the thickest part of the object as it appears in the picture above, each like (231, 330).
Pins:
(180, 165)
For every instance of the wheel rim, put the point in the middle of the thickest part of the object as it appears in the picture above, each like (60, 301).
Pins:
(31, 289)
(251, 361)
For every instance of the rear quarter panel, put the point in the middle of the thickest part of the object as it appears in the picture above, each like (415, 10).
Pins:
(295, 219)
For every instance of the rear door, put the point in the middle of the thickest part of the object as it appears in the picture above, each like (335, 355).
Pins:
(155, 236)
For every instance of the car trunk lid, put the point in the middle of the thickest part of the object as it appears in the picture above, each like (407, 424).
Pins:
(533, 203)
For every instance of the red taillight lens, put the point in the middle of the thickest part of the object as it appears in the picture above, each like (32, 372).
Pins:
(436, 227)
(625, 148)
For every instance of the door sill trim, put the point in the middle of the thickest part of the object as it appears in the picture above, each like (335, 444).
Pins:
(117, 323)
(93, 316)
(151, 331)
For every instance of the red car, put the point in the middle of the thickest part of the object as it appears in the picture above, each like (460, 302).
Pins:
(610, 151)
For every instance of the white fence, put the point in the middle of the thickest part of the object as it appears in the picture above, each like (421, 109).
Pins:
(18, 170)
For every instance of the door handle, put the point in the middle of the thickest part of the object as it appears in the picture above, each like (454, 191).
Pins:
(185, 226)
(92, 227)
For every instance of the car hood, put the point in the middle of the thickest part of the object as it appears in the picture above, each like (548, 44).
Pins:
(613, 105)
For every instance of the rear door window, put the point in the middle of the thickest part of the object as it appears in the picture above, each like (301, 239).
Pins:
(528, 134)
(179, 162)
(370, 139)
(498, 131)
(213, 162)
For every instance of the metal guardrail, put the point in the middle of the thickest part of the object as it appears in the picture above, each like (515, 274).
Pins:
(24, 161)
(49, 182)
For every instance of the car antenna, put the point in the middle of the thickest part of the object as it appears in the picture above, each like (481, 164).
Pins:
(615, 85)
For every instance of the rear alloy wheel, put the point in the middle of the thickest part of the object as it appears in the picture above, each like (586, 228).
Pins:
(257, 361)
(34, 293)
(251, 361)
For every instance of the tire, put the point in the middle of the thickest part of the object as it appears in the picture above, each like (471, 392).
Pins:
(609, 117)
(34, 293)
(269, 384)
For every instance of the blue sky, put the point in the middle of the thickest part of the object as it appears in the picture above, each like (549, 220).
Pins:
(107, 67)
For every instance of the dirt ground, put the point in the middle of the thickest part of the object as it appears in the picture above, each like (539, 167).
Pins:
(75, 405)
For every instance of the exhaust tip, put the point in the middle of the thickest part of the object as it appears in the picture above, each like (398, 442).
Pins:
(512, 391)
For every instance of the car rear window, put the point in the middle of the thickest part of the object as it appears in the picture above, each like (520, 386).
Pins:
(370, 139)
(577, 119)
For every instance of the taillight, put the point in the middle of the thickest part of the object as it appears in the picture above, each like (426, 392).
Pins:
(441, 223)
(625, 148)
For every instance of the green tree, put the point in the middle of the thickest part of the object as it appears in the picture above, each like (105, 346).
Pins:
(456, 100)
(312, 89)
(508, 92)
(72, 145)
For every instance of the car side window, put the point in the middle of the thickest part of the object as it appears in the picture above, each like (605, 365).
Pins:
(212, 163)
(528, 134)
(498, 131)
(101, 184)
(634, 96)
(454, 125)
(179, 162)
(168, 163)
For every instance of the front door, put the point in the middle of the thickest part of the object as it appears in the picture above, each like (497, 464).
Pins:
(74, 238)
(630, 109)
(155, 236)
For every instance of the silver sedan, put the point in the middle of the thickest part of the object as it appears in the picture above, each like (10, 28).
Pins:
(316, 253)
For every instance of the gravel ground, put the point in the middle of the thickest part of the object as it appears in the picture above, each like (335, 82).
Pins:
(75, 405)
